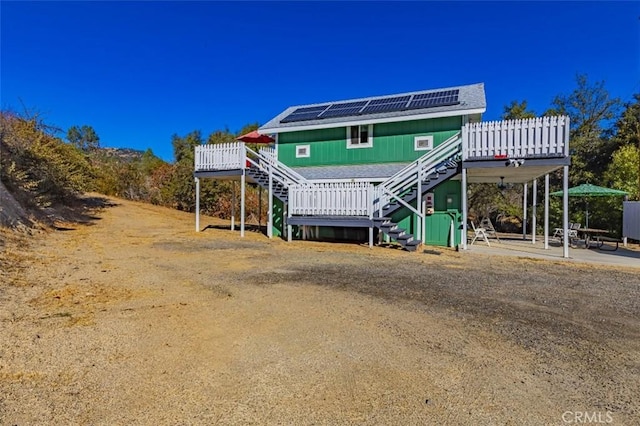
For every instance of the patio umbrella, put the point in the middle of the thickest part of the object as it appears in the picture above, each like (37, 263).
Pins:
(587, 190)
(255, 137)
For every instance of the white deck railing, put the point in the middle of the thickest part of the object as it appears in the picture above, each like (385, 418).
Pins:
(332, 199)
(526, 138)
(268, 152)
(221, 156)
(538, 137)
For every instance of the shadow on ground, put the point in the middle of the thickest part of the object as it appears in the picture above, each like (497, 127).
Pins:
(80, 210)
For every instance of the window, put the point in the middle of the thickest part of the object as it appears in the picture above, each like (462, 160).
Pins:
(303, 151)
(423, 143)
(360, 136)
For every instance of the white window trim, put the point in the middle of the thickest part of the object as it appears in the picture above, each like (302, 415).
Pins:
(369, 143)
(418, 139)
(307, 147)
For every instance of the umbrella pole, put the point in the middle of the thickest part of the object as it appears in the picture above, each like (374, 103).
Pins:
(587, 213)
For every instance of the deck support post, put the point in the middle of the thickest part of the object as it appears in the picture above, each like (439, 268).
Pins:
(197, 204)
(242, 201)
(270, 213)
(464, 209)
(289, 228)
(546, 211)
(371, 196)
(424, 222)
(524, 211)
(233, 206)
(565, 211)
(534, 201)
(418, 231)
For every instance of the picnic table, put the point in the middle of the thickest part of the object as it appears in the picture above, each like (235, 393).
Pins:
(597, 235)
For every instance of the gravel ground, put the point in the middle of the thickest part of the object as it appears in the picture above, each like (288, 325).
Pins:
(135, 318)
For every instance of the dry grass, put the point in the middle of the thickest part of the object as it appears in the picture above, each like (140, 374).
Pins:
(134, 318)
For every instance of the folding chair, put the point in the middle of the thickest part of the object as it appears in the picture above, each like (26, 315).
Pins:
(559, 232)
(479, 232)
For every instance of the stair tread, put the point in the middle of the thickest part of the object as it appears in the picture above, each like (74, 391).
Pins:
(404, 237)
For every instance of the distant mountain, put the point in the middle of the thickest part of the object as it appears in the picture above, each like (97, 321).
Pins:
(124, 154)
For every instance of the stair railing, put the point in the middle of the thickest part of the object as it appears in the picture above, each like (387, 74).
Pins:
(281, 173)
(397, 185)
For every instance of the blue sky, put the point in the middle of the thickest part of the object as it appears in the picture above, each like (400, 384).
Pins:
(139, 72)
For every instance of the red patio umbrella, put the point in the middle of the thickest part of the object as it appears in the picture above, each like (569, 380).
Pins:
(255, 137)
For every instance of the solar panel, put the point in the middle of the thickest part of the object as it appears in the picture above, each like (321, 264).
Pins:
(304, 114)
(434, 99)
(396, 103)
(344, 109)
(374, 106)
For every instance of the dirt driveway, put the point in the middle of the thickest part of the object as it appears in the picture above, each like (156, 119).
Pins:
(137, 319)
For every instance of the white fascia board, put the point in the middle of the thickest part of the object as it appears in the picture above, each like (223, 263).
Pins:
(361, 121)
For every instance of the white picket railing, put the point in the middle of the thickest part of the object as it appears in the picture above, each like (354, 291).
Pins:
(538, 137)
(221, 156)
(526, 138)
(269, 152)
(332, 199)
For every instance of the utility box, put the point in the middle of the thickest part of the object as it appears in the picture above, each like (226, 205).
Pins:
(429, 202)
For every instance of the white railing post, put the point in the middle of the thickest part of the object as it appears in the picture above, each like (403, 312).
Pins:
(465, 142)
(270, 224)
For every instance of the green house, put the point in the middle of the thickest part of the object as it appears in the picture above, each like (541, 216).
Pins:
(388, 168)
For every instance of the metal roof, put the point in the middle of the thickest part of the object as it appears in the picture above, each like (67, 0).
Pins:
(471, 101)
(378, 171)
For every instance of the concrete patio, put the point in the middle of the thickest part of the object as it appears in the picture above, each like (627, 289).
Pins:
(514, 245)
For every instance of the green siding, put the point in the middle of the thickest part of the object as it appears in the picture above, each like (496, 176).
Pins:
(392, 143)
(438, 225)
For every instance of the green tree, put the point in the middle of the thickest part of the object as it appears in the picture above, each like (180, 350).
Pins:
(591, 110)
(623, 172)
(221, 136)
(84, 138)
(517, 110)
(628, 134)
(182, 184)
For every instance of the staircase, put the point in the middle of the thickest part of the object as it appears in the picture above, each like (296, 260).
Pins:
(262, 178)
(401, 189)
(264, 162)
